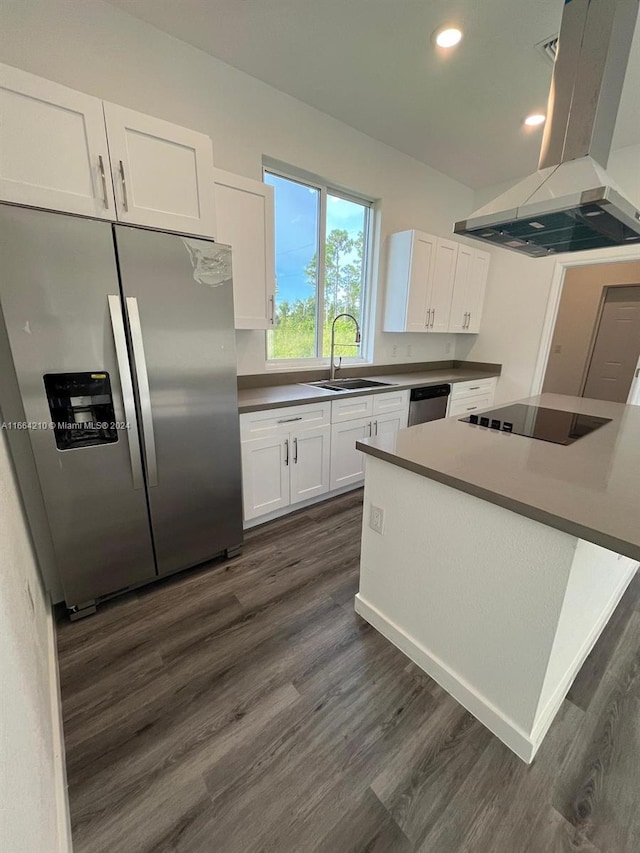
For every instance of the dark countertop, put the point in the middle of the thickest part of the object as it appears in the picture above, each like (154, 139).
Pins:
(589, 489)
(274, 396)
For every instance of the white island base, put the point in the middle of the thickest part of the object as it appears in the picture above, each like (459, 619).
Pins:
(499, 609)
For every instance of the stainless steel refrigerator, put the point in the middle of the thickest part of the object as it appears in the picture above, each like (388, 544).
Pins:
(121, 346)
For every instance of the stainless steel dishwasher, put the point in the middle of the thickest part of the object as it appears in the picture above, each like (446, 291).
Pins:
(428, 404)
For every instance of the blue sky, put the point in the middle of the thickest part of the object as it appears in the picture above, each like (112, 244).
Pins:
(297, 232)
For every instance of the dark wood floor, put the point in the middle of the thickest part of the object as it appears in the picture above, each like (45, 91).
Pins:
(247, 708)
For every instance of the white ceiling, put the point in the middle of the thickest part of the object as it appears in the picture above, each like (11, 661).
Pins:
(371, 64)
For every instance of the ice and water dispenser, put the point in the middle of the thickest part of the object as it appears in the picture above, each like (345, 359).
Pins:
(81, 409)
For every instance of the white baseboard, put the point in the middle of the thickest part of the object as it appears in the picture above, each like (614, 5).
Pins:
(502, 726)
(62, 800)
(546, 717)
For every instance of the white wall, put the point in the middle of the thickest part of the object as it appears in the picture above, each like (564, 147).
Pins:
(518, 292)
(99, 49)
(32, 797)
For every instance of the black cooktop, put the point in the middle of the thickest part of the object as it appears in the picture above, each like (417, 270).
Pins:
(537, 422)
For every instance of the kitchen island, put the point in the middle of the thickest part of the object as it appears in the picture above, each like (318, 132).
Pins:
(501, 557)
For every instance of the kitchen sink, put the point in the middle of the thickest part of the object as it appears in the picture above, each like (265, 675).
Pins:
(348, 384)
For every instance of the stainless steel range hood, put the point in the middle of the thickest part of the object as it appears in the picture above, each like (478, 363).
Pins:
(570, 204)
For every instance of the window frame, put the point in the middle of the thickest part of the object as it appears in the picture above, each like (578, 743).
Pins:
(325, 189)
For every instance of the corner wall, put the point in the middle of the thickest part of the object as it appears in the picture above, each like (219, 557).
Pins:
(33, 813)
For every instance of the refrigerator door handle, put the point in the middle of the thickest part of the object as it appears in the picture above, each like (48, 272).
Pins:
(143, 390)
(117, 325)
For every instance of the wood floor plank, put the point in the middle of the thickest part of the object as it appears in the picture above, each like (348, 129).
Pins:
(599, 792)
(245, 707)
(368, 826)
(595, 666)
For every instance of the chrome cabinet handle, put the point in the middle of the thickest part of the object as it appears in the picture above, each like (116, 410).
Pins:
(433, 317)
(466, 314)
(427, 318)
(289, 420)
(471, 408)
(272, 302)
(140, 366)
(126, 385)
(474, 388)
(375, 424)
(286, 451)
(295, 451)
(369, 425)
(123, 182)
(103, 178)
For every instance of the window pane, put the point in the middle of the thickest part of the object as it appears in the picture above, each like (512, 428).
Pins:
(296, 222)
(344, 272)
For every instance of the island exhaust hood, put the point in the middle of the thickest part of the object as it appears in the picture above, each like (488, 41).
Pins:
(570, 204)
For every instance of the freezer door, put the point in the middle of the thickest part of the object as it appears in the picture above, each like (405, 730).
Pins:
(56, 274)
(180, 309)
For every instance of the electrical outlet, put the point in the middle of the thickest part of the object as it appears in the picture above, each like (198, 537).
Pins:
(376, 519)
(448, 348)
(394, 351)
(409, 349)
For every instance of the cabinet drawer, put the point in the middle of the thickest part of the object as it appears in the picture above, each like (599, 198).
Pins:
(271, 421)
(481, 387)
(460, 408)
(394, 401)
(351, 408)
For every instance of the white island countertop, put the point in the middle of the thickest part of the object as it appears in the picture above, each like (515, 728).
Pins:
(589, 489)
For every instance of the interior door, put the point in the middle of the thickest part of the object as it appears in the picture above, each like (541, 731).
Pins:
(617, 346)
(162, 173)
(179, 297)
(57, 274)
(53, 146)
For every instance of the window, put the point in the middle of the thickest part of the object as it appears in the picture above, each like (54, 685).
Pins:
(321, 268)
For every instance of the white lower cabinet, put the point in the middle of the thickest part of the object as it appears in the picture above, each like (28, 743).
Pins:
(309, 463)
(347, 463)
(467, 397)
(299, 453)
(265, 475)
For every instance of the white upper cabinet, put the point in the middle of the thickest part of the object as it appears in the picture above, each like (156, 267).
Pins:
(162, 173)
(420, 274)
(472, 268)
(433, 284)
(53, 146)
(245, 221)
(444, 270)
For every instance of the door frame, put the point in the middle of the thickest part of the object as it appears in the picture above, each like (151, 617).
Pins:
(604, 256)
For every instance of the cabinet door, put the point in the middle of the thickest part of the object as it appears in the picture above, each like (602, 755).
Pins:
(310, 462)
(265, 475)
(460, 299)
(53, 146)
(439, 301)
(245, 221)
(162, 173)
(347, 463)
(476, 289)
(390, 423)
(420, 276)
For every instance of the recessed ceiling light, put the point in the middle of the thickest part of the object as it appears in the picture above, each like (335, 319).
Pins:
(448, 36)
(535, 119)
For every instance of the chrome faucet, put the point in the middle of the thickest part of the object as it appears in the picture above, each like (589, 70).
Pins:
(332, 372)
